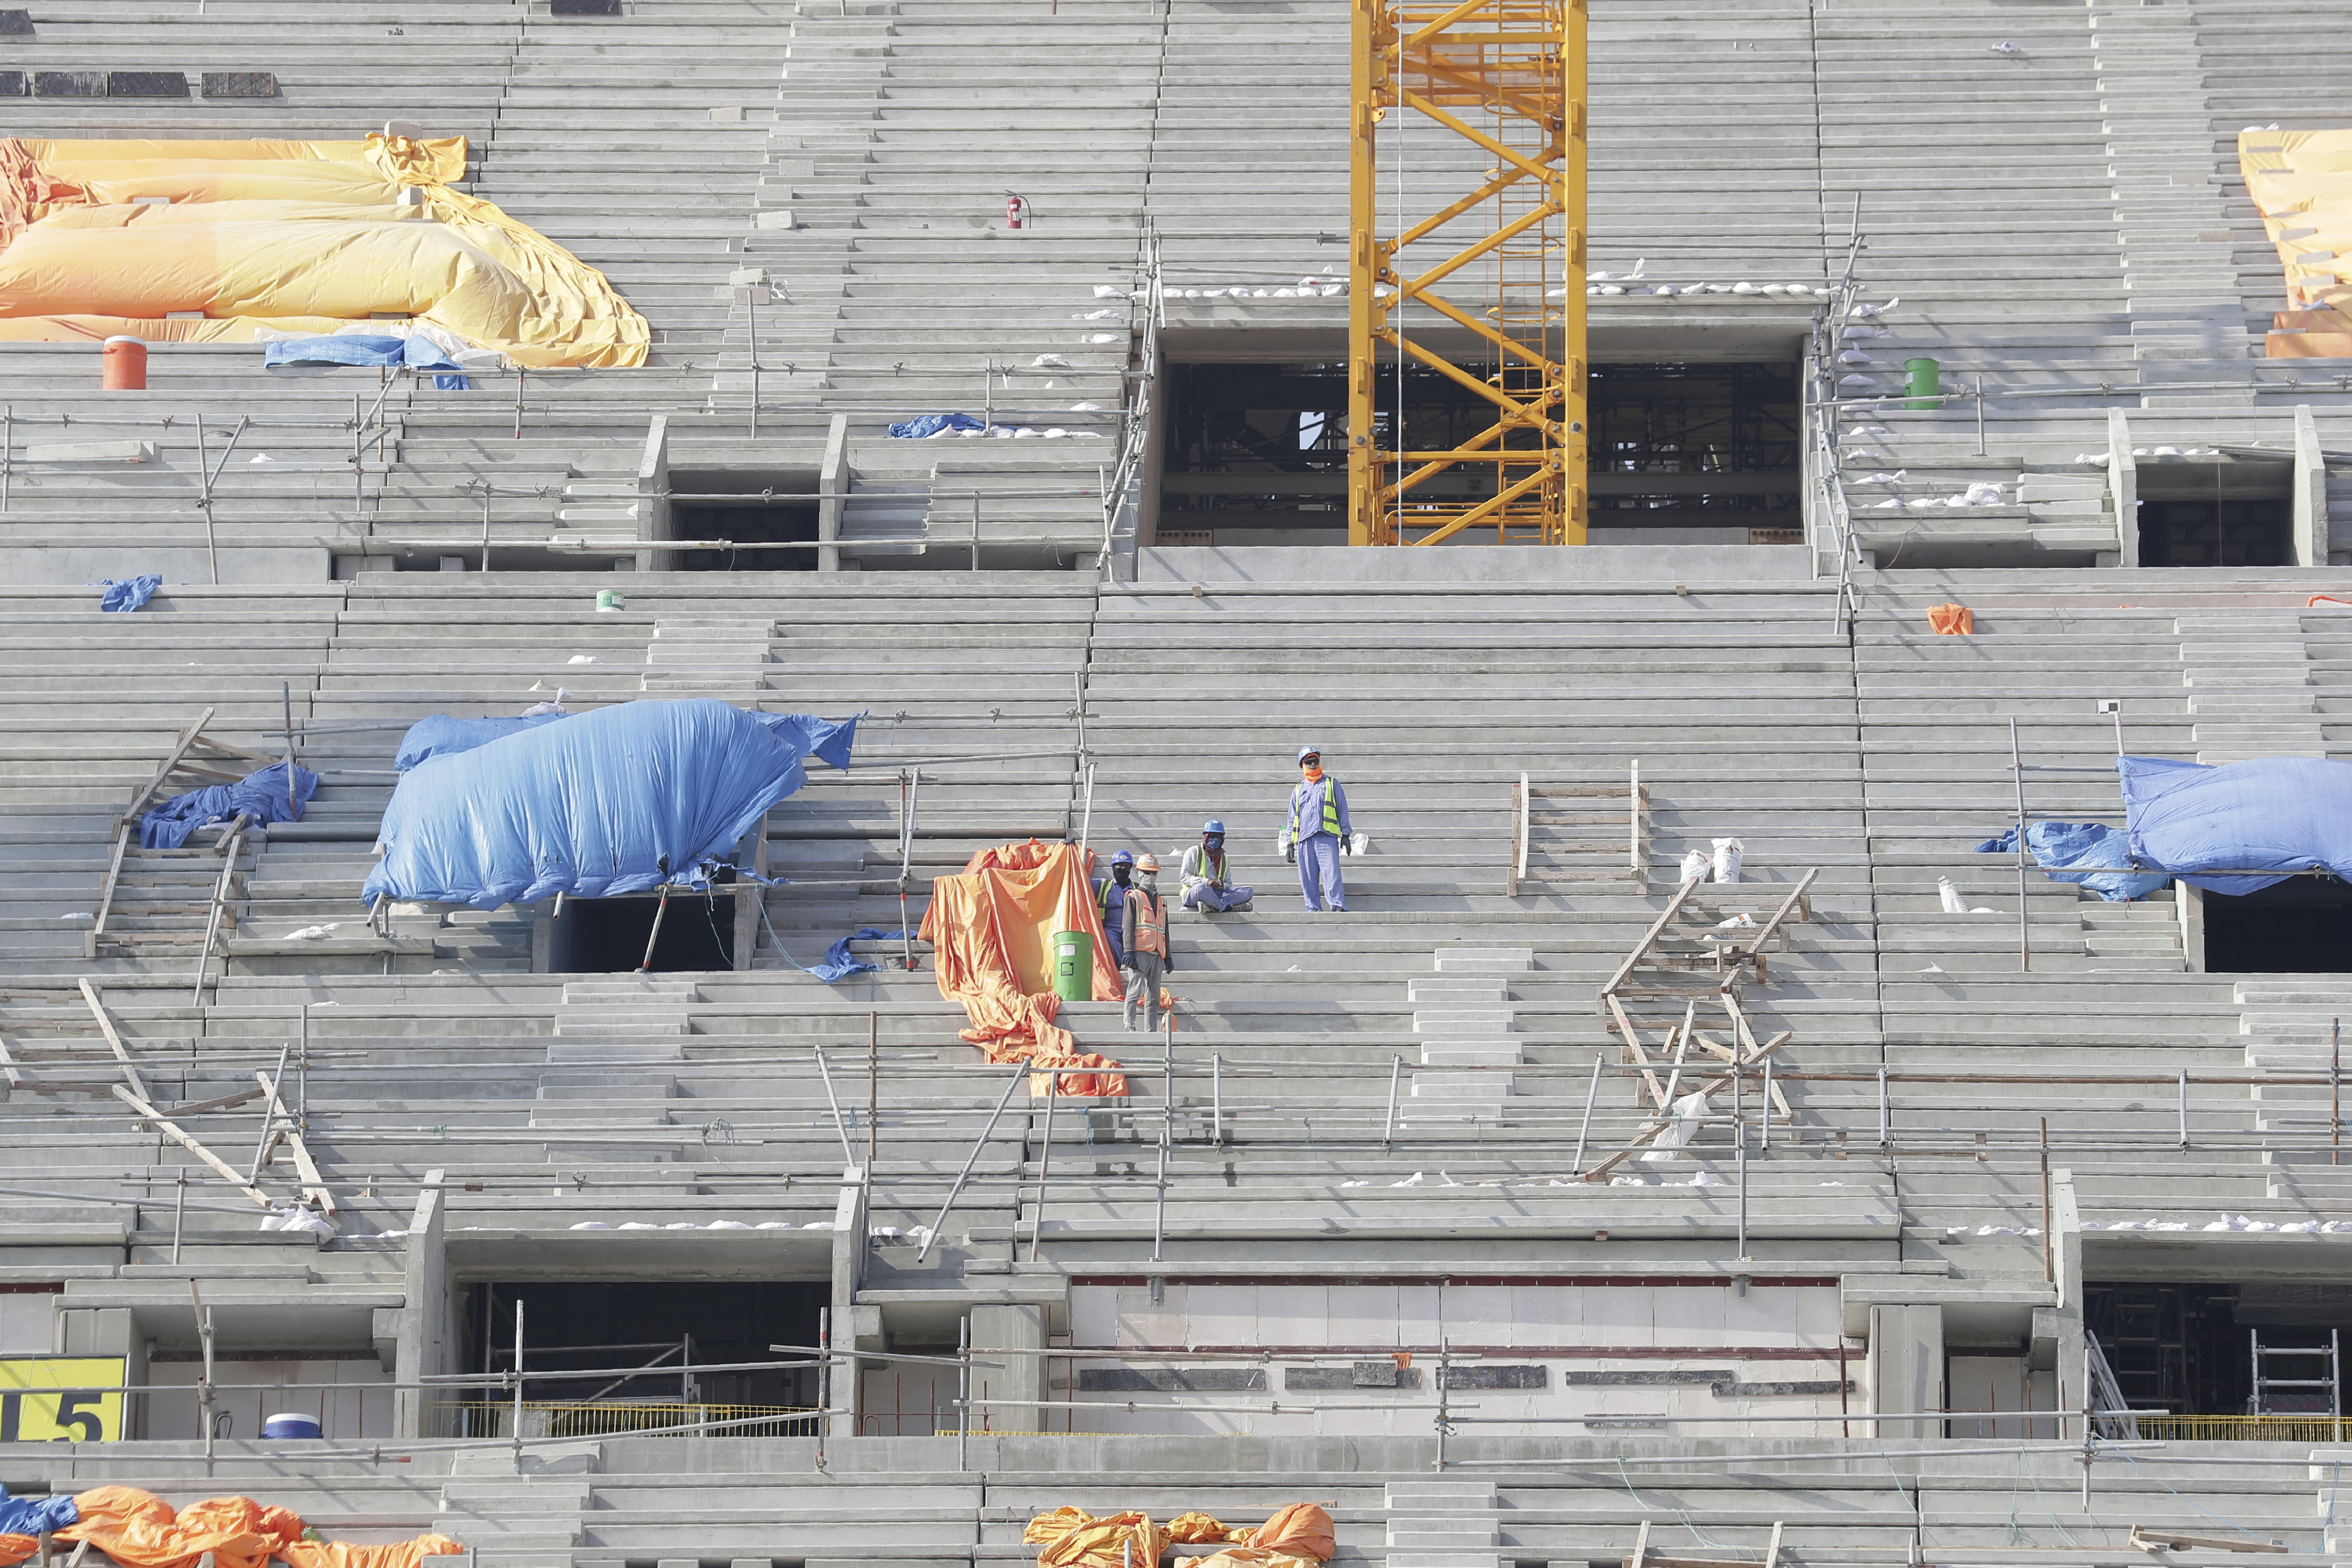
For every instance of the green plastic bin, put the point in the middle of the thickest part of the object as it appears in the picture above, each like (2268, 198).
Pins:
(1074, 965)
(1926, 382)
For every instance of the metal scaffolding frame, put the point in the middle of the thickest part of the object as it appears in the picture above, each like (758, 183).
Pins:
(1509, 76)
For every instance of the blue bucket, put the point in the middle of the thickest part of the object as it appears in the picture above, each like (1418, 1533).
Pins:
(289, 1425)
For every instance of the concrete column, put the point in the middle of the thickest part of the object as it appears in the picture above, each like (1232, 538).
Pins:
(833, 483)
(2066, 1240)
(2122, 486)
(652, 495)
(849, 1250)
(2310, 491)
(427, 1334)
(1020, 1376)
(1907, 1366)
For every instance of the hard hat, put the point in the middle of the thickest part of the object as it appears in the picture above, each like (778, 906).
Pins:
(1307, 752)
(1149, 865)
(1122, 858)
(1213, 825)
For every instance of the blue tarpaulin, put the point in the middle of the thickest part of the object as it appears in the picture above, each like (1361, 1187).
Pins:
(930, 425)
(2274, 813)
(619, 800)
(442, 736)
(121, 597)
(260, 795)
(415, 350)
(2082, 844)
(32, 1515)
(837, 964)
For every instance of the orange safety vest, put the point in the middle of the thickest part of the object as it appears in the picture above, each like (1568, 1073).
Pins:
(1147, 923)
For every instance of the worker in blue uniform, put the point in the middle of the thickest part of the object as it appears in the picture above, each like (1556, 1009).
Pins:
(1318, 831)
(1110, 902)
(1208, 881)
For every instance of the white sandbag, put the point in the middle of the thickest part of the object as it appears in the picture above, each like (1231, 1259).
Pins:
(1667, 1145)
(1697, 866)
(1727, 859)
(1953, 903)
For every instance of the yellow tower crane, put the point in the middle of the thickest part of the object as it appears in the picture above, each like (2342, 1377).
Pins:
(1501, 266)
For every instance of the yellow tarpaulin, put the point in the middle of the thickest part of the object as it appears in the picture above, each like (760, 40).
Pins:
(2301, 182)
(116, 236)
(1300, 1536)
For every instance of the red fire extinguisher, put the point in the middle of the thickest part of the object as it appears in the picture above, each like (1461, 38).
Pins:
(1016, 211)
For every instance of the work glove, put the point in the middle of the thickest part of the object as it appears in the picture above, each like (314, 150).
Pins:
(1290, 853)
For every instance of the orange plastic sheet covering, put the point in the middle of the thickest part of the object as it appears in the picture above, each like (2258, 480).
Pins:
(1298, 1537)
(141, 1529)
(104, 237)
(991, 932)
(2302, 182)
(1952, 620)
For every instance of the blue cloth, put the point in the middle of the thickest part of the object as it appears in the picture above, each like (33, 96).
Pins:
(260, 795)
(2281, 814)
(2082, 844)
(837, 964)
(128, 593)
(1319, 871)
(32, 1515)
(415, 350)
(932, 423)
(442, 736)
(1201, 896)
(1306, 806)
(621, 800)
(1113, 910)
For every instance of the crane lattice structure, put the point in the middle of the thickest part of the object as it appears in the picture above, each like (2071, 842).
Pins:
(1508, 76)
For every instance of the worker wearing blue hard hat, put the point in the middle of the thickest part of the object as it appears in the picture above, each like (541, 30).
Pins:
(1207, 874)
(1110, 902)
(1317, 832)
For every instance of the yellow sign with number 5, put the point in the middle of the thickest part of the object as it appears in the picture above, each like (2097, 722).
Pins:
(59, 1399)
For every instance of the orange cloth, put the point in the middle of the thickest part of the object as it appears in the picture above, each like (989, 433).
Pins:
(1115, 1541)
(991, 932)
(1312, 775)
(142, 1530)
(15, 1549)
(1952, 620)
(1249, 1557)
(1302, 1530)
(1051, 1527)
(1200, 1527)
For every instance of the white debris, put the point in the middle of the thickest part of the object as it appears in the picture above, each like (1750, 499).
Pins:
(1867, 310)
(1098, 316)
(315, 934)
(1050, 362)
(581, 659)
(592, 1224)
(79, 915)
(1668, 1145)
(1415, 1180)
(725, 1224)
(1897, 477)
(1627, 1182)
(2008, 47)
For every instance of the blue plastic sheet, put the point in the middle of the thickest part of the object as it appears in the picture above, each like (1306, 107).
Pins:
(2084, 844)
(619, 800)
(123, 595)
(932, 423)
(442, 736)
(32, 1515)
(260, 795)
(837, 964)
(2274, 813)
(415, 350)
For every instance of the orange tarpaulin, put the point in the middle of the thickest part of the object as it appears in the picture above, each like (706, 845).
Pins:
(1115, 1540)
(992, 930)
(141, 1529)
(286, 236)
(1953, 620)
(2301, 182)
(1297, 1537)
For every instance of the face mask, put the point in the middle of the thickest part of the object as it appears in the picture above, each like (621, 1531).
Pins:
(1119, 874)
(1313, 775)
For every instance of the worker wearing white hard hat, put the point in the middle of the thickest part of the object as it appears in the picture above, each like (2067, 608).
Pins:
(1316, 832)
(1146, 941)
(1208, 881)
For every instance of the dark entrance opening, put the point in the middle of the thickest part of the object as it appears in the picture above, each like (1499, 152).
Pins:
(2189, 1349)
(2257, 532)
(1257, 454)
(607, 936)
(774, 510)
(637, 1344)
(2300, 926)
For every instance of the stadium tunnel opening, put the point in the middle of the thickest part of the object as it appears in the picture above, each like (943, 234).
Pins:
(2228, 513)
(1684, 451)
(638, 1346)
(2190, 1348)
(2300, 926)
(768, 517)
(608, 936)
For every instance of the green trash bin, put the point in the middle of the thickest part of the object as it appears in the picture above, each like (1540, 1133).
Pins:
(1074, 965)
(1925, 383)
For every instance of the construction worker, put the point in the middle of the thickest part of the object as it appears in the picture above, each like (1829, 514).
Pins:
(1206, 886)
(1318, 831)
(1110, 902)
(1146, 924)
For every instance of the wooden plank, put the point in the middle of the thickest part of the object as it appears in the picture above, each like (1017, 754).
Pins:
(208, 744)
(1597, 792)
(314, 1186)
(187, 739)
(8, 1064)
(114, 1040)
(2148, 1540)
(224, 1102)
(1634, 1043)
(106, 894)
(1634, 959)
(1756, 948)
(1660, 1125)
(165, 1125)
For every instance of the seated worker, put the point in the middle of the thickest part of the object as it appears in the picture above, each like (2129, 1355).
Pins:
(1110, 902)
(1208, 885)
